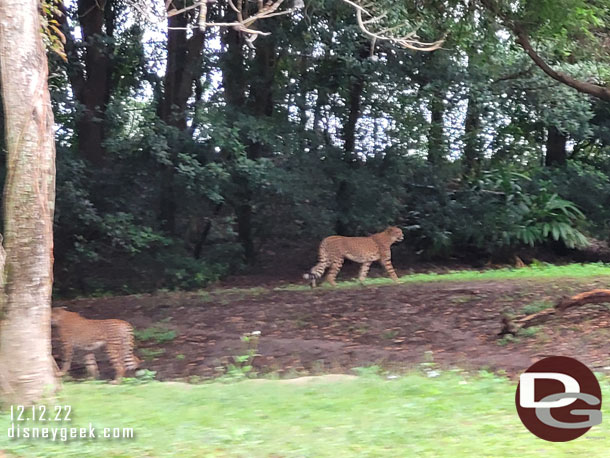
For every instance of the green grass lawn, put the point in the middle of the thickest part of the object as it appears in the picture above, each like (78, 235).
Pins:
(450, 415)
(535, 271)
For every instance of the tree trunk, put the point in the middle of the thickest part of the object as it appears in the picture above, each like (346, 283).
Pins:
(354, 104)
(26, 364)
(556, 153)
(184, 58)
(353, 115)
(437, 147)
(258, 104)
(2, 135)
(92, 89)
(472, 137)
(233, 72)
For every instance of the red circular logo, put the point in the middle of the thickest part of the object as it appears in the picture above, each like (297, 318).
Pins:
(559, 399)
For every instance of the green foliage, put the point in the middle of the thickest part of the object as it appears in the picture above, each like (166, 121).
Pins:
(142, 376)
(150, 354)
(158, 334)
(588, 187)
(52, 36)
(511, 210)
(263, 157)
(529, 332)
(242, 364)
(547, 215)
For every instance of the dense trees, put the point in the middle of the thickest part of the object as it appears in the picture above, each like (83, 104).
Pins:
(183, 151)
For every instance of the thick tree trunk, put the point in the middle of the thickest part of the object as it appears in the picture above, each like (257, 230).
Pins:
(2, 135)
(259, 104)
(93, 88)
(234, 83)
(184, 56)
(556, 153)
(26, 364)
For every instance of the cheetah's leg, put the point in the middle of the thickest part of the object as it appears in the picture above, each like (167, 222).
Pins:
(91, 365)
(115, 355)
(387, 264)
(364, 270)
(335, 267)
(68, 352)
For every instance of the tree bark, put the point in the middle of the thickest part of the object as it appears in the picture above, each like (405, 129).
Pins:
(258, 103)
(233, 72)
(184, 58)
(437, 147)
(556, 153)
(472, 138)
(2, 135)
(91, 83)
(26, 364)
(184, 65)
(354, 104)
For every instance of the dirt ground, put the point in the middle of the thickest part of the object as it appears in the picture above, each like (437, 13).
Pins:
(453, 324)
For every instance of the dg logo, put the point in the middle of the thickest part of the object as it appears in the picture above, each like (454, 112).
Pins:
(559, 399)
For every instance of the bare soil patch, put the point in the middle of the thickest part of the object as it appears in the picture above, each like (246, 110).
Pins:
(453, 324)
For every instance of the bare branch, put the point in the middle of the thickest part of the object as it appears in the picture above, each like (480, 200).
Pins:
(243, 23)
(268, 9)
(174, 11)
(409, 41)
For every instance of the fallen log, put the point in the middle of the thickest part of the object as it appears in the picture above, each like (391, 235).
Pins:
(512, 326)
(595, 296)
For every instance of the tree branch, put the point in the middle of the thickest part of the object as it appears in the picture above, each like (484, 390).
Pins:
(409, 41)
(595, 90)
(523, 40)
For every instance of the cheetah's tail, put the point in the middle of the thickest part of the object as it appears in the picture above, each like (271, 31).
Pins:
(132, 362)
(312, 277)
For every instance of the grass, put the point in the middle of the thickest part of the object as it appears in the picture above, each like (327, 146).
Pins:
(150, 354)
(451, 415)
(158, 334)
(536, 271)
(536, 306)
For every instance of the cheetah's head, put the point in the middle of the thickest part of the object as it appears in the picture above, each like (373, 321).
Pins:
(395, 234)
